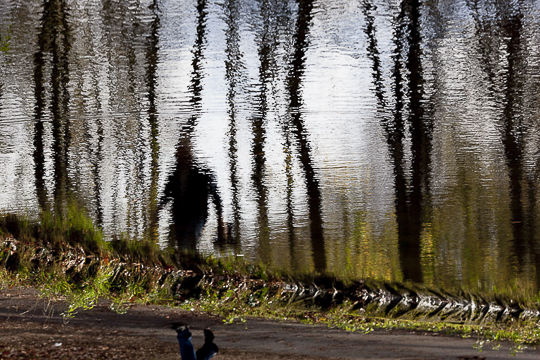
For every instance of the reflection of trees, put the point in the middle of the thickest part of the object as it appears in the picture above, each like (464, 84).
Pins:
(513, 130)
(96, 159)
(190, 186)
(267, 43)
(374, 55)
(410, 199)
(504, 67)
(421, 135)
(234, 67)
(533, 243)
(125, 77)
(54, 43)
(294, 82)
(88, 123)
(151, 78)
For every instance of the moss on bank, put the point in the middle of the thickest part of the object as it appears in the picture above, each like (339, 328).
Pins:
(66, 258)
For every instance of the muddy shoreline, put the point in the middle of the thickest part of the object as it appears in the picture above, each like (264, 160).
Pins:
(32, 328)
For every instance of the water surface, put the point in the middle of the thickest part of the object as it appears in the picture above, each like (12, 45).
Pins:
(394, 140)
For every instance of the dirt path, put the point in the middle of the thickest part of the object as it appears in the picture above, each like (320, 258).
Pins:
(31, 328)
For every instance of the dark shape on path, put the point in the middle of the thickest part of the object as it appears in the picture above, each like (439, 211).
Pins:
(187, 351)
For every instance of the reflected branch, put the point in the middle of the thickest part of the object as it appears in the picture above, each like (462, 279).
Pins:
(373, 53)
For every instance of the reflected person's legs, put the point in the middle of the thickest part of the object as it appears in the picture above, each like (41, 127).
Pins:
(209, 349)
(187, 351)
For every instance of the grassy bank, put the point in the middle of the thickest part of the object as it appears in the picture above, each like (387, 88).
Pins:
(66, 258)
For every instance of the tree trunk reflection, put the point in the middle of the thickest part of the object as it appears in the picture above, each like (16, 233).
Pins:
(411, 201)
(54, 41)
(294, 83)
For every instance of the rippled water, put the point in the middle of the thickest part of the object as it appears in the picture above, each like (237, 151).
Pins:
(395, 140)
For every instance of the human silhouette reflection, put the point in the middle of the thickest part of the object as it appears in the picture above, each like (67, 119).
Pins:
(191, 186)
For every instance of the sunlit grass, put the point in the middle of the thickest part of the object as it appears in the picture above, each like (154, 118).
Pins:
(237, 304)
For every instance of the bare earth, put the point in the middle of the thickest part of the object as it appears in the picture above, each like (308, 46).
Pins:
(31, 328)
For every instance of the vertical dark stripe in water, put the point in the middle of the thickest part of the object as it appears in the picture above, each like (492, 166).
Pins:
(190, 186)
(421, 135)
(132, 47)
(409, 203)
(395, 133)
(373, 54)
(54, 38)
(60, 104)
(94, 137)
(196, 63)
(533, 244)
(513, 131)
(483, 32)
(39, 146)
(1, 80)
(531, 227)
(289, 189)
(113, 26)
(289, 195)
(233, 69)
(96, 158)
(507, 24)
(283, 20)
(151, 78)
(298, 129)
(96, 173)
(258, 124)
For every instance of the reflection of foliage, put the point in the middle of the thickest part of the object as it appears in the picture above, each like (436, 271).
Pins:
(81, 279)
(5, 41)
(457, 249)
(72, 227)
